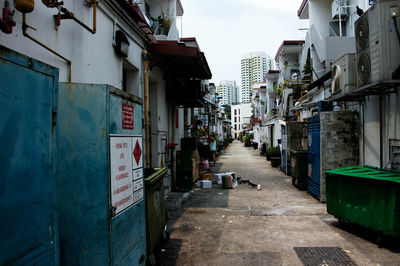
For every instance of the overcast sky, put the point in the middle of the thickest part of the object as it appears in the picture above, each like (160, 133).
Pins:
(227, 29)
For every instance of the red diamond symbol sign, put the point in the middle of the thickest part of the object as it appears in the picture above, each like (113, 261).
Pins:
(137, 152)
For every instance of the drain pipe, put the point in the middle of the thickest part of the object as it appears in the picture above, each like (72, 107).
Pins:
(25, 26)
(146, 113)
(69, 15)
(381, 131)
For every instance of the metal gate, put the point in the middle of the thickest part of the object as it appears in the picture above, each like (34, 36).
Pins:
(101, 195)
(28, 97)
(313, 140)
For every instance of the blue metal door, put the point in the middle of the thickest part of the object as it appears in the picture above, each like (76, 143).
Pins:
(128, 230)
(313, 140)
(28, 227)
(93, 229)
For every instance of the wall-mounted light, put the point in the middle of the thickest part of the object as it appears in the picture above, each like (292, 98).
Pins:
(121, 44)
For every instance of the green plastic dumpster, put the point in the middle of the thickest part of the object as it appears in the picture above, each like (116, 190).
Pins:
(299, 168)
(155, 205)
(366, 196)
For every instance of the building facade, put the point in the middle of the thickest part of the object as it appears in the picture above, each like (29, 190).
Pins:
(254, 67)
(241, 114)
(228, 90)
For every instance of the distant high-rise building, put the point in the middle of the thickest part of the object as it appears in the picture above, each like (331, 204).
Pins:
(228, 90)
(254, 67)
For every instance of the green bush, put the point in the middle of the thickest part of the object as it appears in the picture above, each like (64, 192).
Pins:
(273, 152)
(247, 140)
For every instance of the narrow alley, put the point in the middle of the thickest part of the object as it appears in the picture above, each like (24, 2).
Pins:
(244, 226)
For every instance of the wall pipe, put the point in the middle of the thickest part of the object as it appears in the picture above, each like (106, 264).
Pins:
(25, 26)
(146, 113)
(380, 131)
(69, 15)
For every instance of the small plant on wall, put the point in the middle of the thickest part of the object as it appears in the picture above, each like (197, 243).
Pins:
(165, 21)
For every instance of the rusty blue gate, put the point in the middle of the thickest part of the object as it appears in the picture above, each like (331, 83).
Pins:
(28, 110)
(101, 196)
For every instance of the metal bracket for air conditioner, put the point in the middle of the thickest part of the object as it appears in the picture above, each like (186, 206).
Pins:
(394, 153)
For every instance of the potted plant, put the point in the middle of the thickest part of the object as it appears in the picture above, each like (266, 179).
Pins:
(247, 140)
(274, 155)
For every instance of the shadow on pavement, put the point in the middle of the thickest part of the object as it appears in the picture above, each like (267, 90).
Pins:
(390, 243)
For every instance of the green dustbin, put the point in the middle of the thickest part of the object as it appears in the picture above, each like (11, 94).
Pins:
(155, 206)
(366, 196)
(184, 178)
(299, 168)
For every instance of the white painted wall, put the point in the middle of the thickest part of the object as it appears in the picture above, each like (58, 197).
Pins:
(320, 15)
(390, 126)
(93, 57)
(243, 111)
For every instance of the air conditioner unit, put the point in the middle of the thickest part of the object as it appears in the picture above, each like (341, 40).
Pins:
(377, 42)
(339, 5)
(344, 75)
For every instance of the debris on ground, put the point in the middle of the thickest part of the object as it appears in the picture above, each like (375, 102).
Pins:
(253, 185)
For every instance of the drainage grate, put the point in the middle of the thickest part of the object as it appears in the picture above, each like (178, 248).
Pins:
(323, 256)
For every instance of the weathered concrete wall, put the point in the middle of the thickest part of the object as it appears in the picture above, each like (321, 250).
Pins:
(339, 142)
(295, 134)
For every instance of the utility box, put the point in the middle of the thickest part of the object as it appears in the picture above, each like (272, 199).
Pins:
(333, 142)
(299, 168)
(366, 196)
(155, 205)
(101, 188)
(294, 152)
(28, 157)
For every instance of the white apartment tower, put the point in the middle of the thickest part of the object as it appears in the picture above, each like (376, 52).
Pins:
(228, 90)
(254, 67)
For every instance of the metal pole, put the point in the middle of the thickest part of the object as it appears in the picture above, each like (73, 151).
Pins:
(146, 113)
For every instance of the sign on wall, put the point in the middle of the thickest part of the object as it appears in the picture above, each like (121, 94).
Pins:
(126, 172)
(127, 116)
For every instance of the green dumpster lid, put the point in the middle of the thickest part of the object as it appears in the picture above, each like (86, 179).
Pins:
(368, 172)
(159, 172)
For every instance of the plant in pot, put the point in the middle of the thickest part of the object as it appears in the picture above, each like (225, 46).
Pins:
(274, 155)
(247, 140)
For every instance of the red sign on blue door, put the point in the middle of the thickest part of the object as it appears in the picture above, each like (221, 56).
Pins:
(127, 116)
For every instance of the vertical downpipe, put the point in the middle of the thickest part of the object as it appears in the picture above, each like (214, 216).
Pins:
(380, 132)
(146, 113)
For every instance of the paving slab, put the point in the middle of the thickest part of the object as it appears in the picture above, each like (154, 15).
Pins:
(278, 225)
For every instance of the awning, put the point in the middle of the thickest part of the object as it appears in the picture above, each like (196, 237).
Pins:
(183, 57)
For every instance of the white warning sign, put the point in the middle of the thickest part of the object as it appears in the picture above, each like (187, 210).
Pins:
(121, 173)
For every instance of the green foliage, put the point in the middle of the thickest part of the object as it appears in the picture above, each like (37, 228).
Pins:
(307, 68)
(274, 152)
(277, 89)
(165, 21)
(200, 133)
(247, 140)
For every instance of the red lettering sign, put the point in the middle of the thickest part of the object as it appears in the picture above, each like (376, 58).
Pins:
(127, 116)
(122, 176)
(121, 189)
(121, 202)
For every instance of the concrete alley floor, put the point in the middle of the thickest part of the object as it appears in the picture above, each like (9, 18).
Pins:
(244, 226)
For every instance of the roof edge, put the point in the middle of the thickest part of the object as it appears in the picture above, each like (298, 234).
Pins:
(303, 4)
(294, 42)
